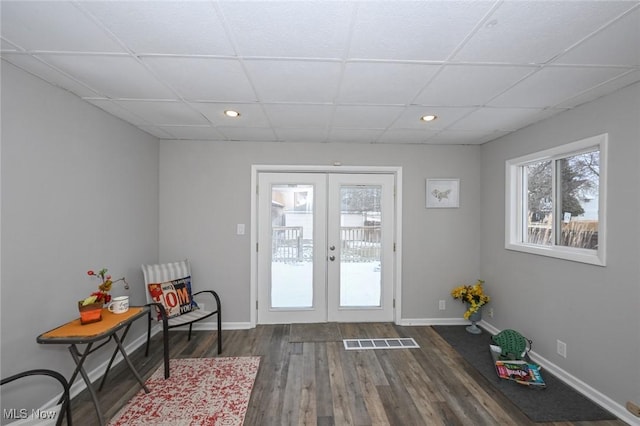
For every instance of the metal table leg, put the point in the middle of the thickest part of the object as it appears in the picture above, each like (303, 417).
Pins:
(79, 360)
(131, 367)
(113, 357)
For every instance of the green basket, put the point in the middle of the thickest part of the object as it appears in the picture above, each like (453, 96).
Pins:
(513, 345)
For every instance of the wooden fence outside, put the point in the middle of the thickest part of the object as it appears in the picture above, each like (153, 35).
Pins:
(578, 234)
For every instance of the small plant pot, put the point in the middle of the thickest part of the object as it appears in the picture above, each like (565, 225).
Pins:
(90, 313)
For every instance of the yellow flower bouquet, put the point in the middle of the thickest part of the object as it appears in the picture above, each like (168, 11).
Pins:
(472, 295)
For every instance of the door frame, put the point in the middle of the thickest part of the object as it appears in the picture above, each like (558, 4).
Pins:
(397, 228)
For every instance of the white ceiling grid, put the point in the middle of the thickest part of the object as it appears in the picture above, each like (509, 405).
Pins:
(328, 71)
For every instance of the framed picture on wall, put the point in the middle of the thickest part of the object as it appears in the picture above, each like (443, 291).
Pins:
(443, 193)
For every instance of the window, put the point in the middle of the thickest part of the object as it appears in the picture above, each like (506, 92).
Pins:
(555, 202)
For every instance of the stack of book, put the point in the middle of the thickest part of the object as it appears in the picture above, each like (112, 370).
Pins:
(520, 371)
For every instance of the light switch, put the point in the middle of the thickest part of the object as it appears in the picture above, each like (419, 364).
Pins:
(240, 229)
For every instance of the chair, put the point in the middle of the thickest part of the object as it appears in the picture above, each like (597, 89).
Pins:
(172, 296)
(63, 408)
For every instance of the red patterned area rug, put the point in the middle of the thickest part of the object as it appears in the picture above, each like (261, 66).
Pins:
(200, 391)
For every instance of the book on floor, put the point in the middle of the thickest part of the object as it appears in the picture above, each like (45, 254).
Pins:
(520, 371)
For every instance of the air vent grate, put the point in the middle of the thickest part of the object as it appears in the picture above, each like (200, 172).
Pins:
(383, 343)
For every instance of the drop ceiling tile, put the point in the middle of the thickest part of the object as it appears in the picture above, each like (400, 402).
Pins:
(488, 119)
(294, 81)
(308, 134)
(383, 82)
(468, 85)
(202, 79)
(604, 89)
(528, 32)
(111, 76)
(338, 134)
(360, 67)
(290, 29)
(406, 136)
(173, 27)
(251, 115)
(116, 110)
(6, 46)
(552, 85)
(428, 30)
(294, 115)
(163, 113)
(47, 73)
(53, 26)
(260, 134)
(193, 132)
(156, 131)
(604, 48)
(410, 118)
(365, 116)
(461, 137)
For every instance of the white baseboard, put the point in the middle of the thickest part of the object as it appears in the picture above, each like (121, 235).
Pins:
(589, 392)
(432, 321)
(578, 385)
(593, 394)
(211, 326)
(96, 373)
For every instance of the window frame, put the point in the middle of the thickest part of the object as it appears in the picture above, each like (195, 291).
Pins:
(516, 202)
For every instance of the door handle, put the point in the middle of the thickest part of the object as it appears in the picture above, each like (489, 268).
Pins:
(332, 258)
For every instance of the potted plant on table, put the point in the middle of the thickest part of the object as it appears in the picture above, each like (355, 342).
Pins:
(475, 298)
(91, 307)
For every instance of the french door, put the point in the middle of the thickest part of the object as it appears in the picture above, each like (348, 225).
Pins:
(325, 247)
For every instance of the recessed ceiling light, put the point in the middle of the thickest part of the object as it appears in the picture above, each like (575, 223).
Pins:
(231, 113)
(428, 117)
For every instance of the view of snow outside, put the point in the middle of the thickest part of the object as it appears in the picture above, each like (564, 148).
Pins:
(292, 220)
(291, 284)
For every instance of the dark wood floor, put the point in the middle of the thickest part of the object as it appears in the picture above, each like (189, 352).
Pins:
(322, 384)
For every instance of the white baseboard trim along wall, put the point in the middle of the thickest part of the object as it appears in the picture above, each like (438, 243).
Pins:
(593, 394)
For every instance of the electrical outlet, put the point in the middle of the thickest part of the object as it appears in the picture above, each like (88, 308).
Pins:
(442, 305)
(562, 349)
(490, 312)
(633, 408)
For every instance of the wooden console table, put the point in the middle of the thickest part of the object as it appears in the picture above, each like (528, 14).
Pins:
(73, 333)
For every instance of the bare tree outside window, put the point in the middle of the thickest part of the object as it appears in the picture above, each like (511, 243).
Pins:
(538, 177)
(579, 177)
(577, 183)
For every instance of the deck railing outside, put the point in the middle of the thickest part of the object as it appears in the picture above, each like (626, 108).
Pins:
(359, 244)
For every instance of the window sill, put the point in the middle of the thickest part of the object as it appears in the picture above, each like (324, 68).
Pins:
(590, 257)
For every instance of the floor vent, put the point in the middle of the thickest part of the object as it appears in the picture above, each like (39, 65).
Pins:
(395, 343)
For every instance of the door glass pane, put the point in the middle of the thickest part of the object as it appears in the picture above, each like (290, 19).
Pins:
(292, 246)
(579, 178)
(360, 254)
(538, 180)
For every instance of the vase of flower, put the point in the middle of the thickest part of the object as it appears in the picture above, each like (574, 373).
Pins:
(474, 318)
(91, 307)
(474, 298)
(90, 313)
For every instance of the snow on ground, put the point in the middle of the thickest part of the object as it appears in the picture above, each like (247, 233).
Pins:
(292, 284)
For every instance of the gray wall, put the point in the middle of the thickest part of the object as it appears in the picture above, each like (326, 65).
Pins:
(79, 192)
(81, 189)
(205, 191)
(594, 310)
